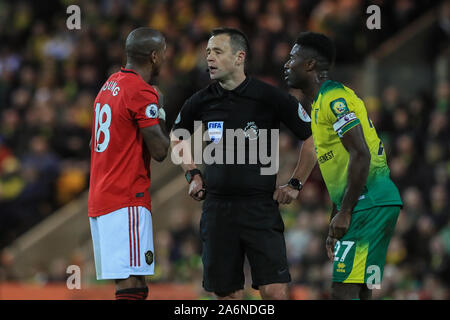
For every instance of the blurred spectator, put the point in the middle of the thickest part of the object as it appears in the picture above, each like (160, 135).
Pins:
(185, 246)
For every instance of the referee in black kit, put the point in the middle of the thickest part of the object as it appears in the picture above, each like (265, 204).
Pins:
(240, 213)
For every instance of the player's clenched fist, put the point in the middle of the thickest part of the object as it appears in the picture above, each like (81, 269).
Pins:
(340, 224)
(337, 229)
(330, 244)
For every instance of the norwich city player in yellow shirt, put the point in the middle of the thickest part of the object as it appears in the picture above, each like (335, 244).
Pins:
(352, 160)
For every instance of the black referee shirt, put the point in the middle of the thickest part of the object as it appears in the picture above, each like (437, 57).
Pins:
(252, 106)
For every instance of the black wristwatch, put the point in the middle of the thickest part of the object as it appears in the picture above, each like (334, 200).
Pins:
(191, 173)
(296, 184)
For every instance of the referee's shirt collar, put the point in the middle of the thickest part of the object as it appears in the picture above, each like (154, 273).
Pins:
(238, 90)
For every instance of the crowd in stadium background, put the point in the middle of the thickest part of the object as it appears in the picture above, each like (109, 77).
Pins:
(49, 78)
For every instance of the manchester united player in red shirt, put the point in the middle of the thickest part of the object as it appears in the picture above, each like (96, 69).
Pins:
(128, 130)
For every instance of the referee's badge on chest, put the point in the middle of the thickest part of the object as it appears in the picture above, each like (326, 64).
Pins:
(215, 131)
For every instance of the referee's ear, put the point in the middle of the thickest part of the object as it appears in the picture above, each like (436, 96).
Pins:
(240, 59)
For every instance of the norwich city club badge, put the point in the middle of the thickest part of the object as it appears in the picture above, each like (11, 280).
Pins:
(339, 107)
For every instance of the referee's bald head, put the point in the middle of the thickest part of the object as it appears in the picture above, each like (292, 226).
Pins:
(143, 44)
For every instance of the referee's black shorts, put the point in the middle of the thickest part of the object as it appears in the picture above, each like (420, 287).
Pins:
(231, 229)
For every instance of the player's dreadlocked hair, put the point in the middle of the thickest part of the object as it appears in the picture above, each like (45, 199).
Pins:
(321, 46)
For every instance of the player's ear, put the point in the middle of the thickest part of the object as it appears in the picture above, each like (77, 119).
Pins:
(154, 57)
(310, 64)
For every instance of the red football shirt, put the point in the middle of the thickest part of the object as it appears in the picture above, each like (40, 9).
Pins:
(120, 160)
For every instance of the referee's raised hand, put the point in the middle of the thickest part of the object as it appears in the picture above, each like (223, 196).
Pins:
(197, 188)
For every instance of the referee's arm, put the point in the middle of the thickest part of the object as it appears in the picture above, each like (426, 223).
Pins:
(183, 150)
(307, 160)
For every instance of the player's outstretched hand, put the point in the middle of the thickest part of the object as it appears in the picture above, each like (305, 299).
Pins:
(197, 188)
(285, 194)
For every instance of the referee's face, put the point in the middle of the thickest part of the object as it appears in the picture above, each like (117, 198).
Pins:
(222, 62)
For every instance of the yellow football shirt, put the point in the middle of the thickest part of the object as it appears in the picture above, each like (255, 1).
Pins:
(335, 111)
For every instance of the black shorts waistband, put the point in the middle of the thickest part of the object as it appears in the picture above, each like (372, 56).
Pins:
(238, 198)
